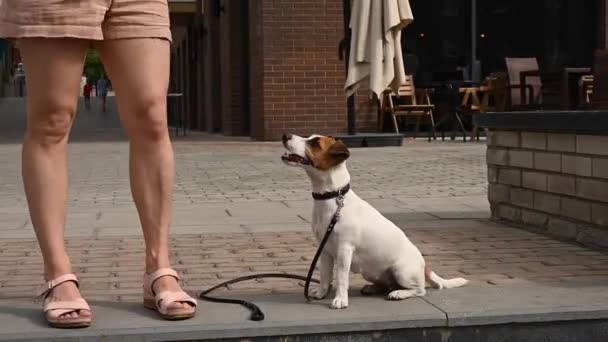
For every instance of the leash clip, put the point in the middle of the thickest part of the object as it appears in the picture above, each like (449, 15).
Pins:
(340, 202)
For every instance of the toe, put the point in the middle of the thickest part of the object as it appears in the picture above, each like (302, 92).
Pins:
(85, 313)
(179, 306)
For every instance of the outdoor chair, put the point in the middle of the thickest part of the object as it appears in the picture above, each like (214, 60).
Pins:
(585, 90)
(493, 93)
(523, 95)
(408, 101)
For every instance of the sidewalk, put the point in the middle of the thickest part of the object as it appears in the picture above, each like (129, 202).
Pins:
(238, 210)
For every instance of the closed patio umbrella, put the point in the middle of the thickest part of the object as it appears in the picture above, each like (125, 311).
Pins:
(375, 44)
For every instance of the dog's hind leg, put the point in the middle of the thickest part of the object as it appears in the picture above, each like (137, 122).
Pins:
(411, 282)
(373, 289)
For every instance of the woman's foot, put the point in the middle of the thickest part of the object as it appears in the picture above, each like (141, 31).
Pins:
(63, 306)
(170, 284)
(163, 294)
(66, 292)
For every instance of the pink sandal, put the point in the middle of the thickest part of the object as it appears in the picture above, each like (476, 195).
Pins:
(160, 301)
(54, 310)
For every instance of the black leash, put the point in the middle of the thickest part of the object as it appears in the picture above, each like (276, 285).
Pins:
(256, 312)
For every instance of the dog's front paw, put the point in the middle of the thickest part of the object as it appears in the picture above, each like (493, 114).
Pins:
(340, 303)
(319, 292)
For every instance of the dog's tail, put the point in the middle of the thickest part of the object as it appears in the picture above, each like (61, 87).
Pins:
(439, 283)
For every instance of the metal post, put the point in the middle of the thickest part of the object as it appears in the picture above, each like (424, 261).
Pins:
(474, 37)
(350, 102)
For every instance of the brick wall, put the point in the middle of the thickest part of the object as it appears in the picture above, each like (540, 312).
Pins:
(302, 77)
(554, 182)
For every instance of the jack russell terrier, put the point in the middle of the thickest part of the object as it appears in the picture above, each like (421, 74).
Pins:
(363, 240)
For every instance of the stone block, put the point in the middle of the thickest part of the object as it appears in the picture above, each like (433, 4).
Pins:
(576, 209)
(522, 198)
(548, 161)
(599, 214)
(534, 218)
(492, 174)
(506, 138)
(498, 193)
(509, 177)
(592, 144)
(561, 142)
(592, 189)
(562, 228)
(509, 213)
(496, 156)
(589, 235)
(576, 165)
(490, 138)
(600, 168)
(561, 184)
(547, 203)
(534, 141)
(534, 180)
(520, 158)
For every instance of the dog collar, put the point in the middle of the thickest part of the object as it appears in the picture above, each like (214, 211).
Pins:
(332, 194)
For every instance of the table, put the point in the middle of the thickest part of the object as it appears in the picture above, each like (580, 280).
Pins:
(452, 89)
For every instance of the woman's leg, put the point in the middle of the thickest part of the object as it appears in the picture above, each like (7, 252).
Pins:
(139, 70)
(53, 68)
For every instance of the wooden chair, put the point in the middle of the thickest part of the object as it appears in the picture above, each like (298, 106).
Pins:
(585, 90)
(494, 94)
(527, 94)
(408, 102)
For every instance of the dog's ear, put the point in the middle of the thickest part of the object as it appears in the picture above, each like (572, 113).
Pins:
(338, 151)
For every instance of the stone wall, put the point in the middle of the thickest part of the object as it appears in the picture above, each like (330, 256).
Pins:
(553, 182)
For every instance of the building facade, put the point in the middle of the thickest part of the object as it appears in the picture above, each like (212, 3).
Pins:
(262, 68)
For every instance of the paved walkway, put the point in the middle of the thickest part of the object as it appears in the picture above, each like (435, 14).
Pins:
(239, 210)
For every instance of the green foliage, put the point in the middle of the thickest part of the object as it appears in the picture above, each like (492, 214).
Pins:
(93, 67)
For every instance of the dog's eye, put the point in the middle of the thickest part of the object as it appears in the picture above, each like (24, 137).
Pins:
(313, 142)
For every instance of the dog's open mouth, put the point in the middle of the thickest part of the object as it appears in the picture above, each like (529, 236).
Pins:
(294, 158)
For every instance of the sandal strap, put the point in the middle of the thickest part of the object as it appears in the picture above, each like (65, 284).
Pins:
(165, 298)
(150, 278)
(67, 306)
(53, 283)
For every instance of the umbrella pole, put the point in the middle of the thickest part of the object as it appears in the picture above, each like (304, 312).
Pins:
(350, 101)
(474, 36)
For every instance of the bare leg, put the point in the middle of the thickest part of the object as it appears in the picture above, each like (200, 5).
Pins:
(53, 68)
(139, 70)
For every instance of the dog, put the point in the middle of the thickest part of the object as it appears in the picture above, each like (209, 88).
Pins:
(363, 240)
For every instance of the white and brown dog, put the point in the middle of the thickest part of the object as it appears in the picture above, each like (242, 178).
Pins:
(363, 240)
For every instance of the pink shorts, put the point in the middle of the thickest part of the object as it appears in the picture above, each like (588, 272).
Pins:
(85, 19)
